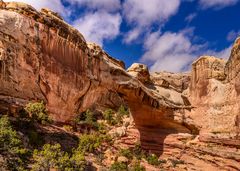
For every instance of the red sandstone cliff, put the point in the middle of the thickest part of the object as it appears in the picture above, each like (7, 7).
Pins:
(43, 58)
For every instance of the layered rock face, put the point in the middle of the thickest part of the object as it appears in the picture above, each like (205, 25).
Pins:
(43, 58)
(214, 96)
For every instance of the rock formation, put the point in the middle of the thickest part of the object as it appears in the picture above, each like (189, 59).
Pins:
(44, 58)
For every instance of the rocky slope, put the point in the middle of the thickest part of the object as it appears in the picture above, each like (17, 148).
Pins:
(44, 58)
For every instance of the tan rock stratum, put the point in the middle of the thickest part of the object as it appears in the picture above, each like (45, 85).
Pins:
(44, 58)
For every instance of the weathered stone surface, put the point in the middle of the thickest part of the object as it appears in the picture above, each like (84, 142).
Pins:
(44, 58)
(176, 81)
(139, 71)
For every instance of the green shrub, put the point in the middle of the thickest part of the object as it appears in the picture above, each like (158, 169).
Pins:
(123, 111)
(11, 146)
(138, 152)
(137, 167)
(126, 153)
(78, 160)
(153, 160)
(108, 115)
(102, 128)
(68, 128)
(38, 112)
(117, 166)
(88, 118)
(51, 157)
(91, 142)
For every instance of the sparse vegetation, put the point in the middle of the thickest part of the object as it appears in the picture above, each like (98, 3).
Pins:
(38, 112)
(126, 153)
(117, 166)
(138, 152)
(109, 116)
(91, 142)
(87, 118)
(51, 157)
(11, 147)
(137, 167)
(47, 156)
(115, 118)
(123, 111)
(68, 128)
(153, 160)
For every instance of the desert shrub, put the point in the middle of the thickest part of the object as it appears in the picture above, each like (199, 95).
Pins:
(102, 128)
(138, 152)
(137, 167)
(77, 160)
(153, 160)
(68, 128)
(108, 115)
(87, 118)
(117, 166)
(122, 111)
(91, 142)
(47, 157)
(52, 157)
(11, 146)
(126, 153)
(38, 112)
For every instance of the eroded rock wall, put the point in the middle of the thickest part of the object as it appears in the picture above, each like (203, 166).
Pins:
(43, 58)
(214, 96)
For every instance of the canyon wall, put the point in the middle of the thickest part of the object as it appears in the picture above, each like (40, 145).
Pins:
(44, 58)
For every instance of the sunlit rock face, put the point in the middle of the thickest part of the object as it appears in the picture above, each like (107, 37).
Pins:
(43, 58)
(214, 95)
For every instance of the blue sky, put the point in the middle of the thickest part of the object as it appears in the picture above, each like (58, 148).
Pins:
(164, 34)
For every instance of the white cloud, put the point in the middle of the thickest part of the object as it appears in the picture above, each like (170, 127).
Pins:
(143, 14)
(232, 35)
(106, 5)
(54, 5)
(216, 4)
(190, 17)
(175, 52)
(225, 53)
(99, 26)
(131, 35)
(169, 51)
(146, 12)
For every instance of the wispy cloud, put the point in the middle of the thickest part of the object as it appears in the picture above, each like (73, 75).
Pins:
(55, 5)
(99, 26)
(190, 17)
(169, 51)
(175, 52)
(232, 35)
(216, 4)
(142, 15)
(104, 5)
